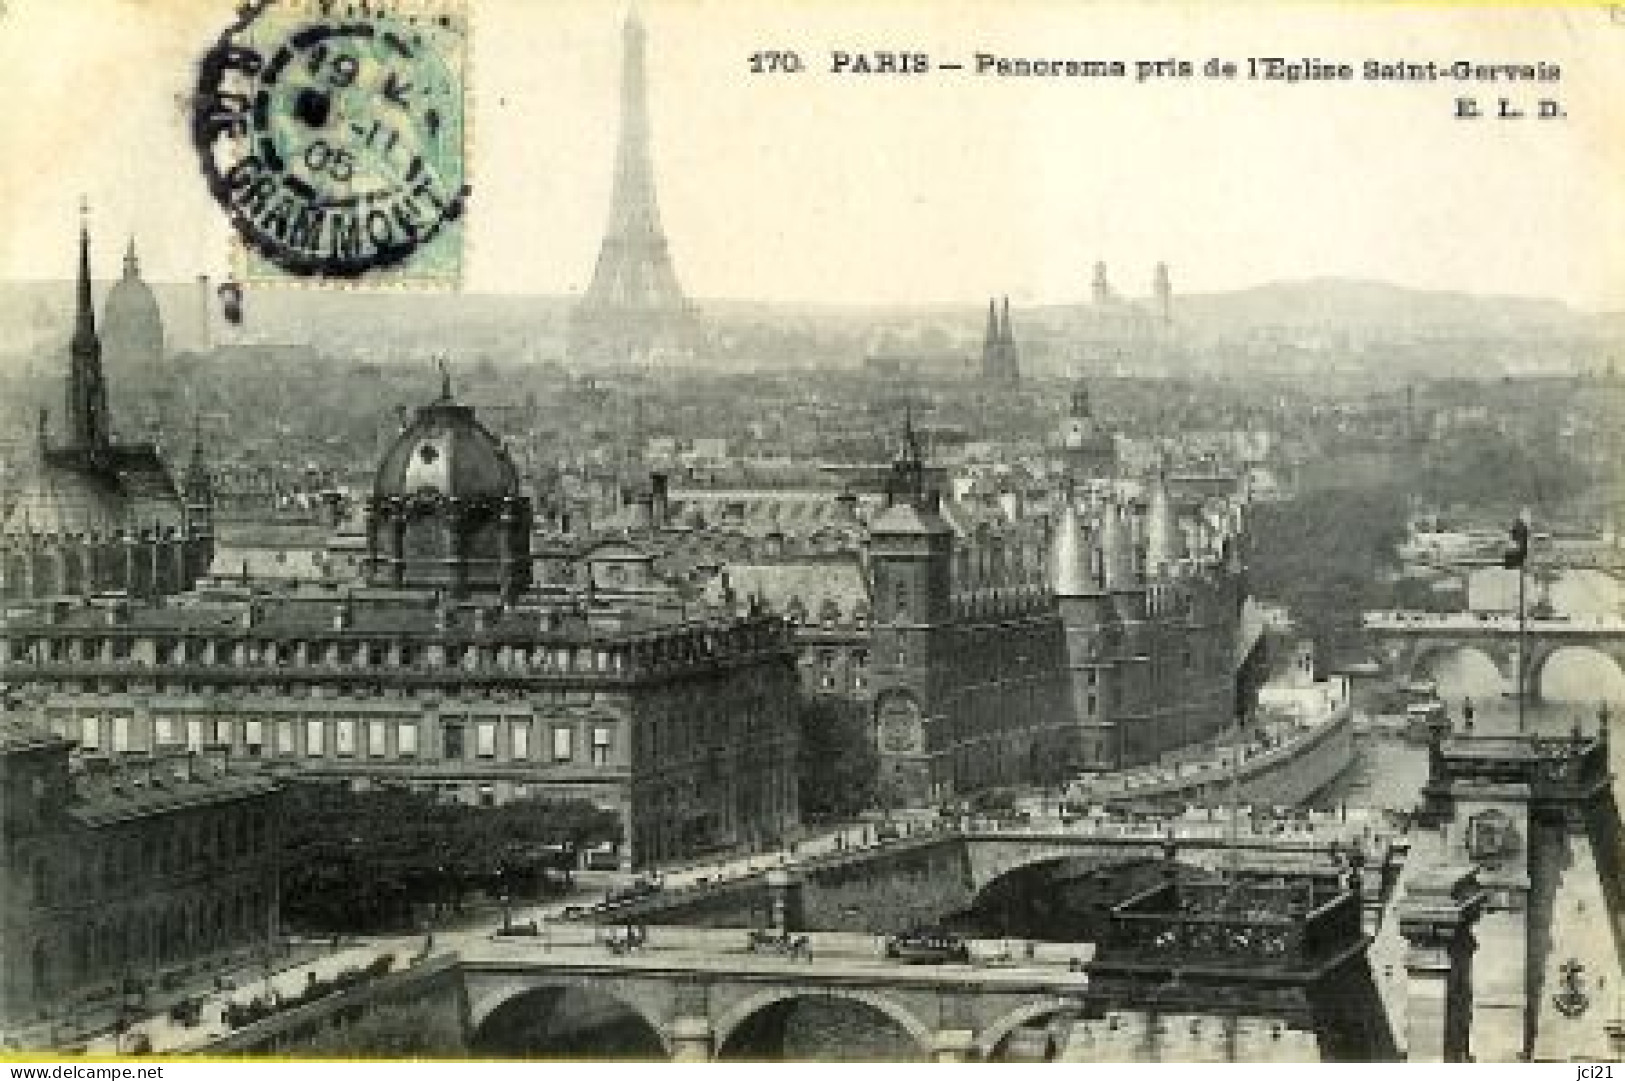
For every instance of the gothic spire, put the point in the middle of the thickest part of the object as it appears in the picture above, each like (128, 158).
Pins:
(87, 391)
(443, 364)
(196, 470)
(132, 265)
(909, 448)
(908, 468)
(1080, 399)
(84, 325)
(990, 339)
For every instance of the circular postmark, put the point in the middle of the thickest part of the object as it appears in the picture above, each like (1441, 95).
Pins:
(331, 133)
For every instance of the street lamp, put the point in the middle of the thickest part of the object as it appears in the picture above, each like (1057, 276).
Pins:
(1518, 558)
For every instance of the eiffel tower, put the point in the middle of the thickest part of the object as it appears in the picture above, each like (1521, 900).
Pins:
(634, 310)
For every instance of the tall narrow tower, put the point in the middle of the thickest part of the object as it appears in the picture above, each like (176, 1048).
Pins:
(634, 309)
(1001, 359)
(1010, 367)
(1162, 294)
(87, 389)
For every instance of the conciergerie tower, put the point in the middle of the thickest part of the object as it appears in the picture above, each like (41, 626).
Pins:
(634, 310)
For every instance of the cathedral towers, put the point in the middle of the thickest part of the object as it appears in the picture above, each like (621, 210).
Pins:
(1001, 359)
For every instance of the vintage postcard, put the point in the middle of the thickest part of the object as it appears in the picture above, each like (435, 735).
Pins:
(850, 531)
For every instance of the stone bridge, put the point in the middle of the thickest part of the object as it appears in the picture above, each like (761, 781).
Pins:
(1303, 847)
(1410, 642)
(696, 992)
(934, 873)
(700, 992)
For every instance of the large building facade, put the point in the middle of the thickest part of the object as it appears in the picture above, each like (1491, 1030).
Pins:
(442, 670)
(1004, 638)
(119, 874)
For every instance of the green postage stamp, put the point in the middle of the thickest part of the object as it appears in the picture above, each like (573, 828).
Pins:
(333, 135)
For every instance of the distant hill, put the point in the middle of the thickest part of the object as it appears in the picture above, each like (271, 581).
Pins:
(390, 325)
(1344, 304)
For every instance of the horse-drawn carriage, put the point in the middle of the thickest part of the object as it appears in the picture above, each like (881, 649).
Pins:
(927, 947)
(783, 943)
(187, 1012)
(623, 940)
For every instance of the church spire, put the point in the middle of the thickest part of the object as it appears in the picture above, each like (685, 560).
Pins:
(1009, 354)
(87, 391)
(84, 326)
(908, 468)
(132, 265)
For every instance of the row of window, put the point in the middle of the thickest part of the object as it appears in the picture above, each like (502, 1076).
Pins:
(346, 737)
(275, 653)
(109, 862)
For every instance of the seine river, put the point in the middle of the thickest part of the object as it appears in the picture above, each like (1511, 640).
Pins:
(1387, 771)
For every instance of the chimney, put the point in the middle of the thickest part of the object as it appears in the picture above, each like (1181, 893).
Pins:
(847, 503)
(138, 771)
(179, 765)
(1010, 503)
(660, 500)
(205, 308)
(213, 762)
(642, 503)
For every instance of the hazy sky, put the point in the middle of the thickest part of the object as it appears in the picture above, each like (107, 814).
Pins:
(945, 187)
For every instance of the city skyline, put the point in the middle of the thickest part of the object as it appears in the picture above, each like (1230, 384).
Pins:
(921, 189)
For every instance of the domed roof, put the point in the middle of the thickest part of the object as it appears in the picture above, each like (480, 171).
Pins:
(65, 502)
(132, 328)
(446, 451)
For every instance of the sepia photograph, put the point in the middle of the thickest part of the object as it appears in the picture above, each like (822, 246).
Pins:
(835, 531)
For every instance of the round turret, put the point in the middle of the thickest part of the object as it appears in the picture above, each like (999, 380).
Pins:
(1069, 562)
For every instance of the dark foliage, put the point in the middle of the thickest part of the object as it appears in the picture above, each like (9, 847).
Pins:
(1320, 556)
(361, 861)
(839, 764)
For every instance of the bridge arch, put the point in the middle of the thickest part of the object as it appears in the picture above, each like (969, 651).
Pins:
(1578, 673)
(1462, 669)
(990, 1038)
(545, 995)
(729, 1023)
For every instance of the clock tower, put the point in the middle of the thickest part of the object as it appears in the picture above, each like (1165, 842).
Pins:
(910, 570)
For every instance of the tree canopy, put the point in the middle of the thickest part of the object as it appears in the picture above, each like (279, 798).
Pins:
(357, 861)
(839, 765)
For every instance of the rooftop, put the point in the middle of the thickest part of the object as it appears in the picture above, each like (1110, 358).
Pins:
(364, 613)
